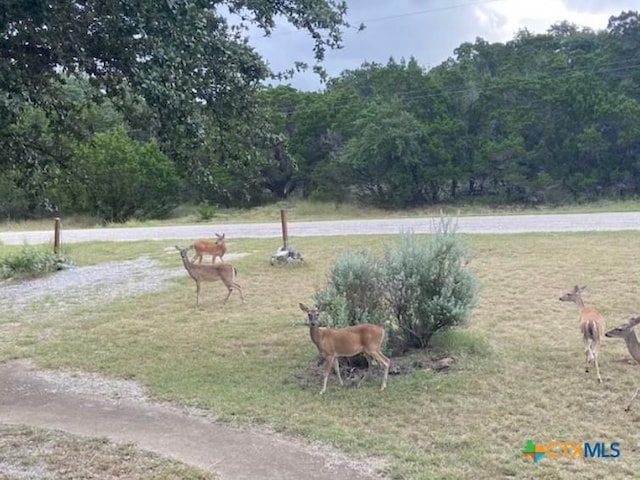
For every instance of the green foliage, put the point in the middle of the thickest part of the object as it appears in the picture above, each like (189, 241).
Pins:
(551, 117)
(428, 283)
(421, 286)
(31, 262)
(354, 293)
(123, 178)
(206, 211)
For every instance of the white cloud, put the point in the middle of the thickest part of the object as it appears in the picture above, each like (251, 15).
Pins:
(504, 18)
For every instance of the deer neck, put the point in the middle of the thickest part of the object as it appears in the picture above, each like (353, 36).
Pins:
(316, 335)
(632, 344)
(187, 264)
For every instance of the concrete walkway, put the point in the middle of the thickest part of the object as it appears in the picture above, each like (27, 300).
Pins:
(34, 398)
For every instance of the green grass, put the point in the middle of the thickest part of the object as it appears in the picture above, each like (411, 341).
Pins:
(302, 210)
(519, 371)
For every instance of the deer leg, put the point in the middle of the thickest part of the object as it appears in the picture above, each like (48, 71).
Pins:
(632, 399)
(383, 361)
(366, 372)
(336, 367)
(586, 359)
(197, 293)
(239, 288)
(595, 360)
(230, 290)
(328, 363)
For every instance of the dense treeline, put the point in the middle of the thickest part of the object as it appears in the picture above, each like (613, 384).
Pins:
(170, 106)
(543, 118)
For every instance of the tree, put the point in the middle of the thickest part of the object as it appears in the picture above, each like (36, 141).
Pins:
(187, 61)
(119, 178)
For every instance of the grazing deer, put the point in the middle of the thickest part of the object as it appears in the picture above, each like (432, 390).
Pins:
(626, 331)
(210, 273)
(333, 343)
(591, 325)
(204, 246)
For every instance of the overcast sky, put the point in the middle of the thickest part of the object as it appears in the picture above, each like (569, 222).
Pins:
(429, 30)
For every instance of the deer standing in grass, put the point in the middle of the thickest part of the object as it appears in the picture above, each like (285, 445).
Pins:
(210, 273)
(215, 249)
(333, 343)
(626, 331)
(591, 325)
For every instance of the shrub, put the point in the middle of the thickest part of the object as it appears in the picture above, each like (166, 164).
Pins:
(122, 178)
(31, 262)
(206, 211)
(355, 292)
(428, 285)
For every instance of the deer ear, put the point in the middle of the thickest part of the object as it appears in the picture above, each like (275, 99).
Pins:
(303, 307)
(634, 321)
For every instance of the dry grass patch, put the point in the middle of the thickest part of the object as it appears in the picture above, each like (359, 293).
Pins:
(518, 375)
(28, 453)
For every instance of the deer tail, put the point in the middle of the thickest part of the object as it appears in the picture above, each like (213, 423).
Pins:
(592, 337)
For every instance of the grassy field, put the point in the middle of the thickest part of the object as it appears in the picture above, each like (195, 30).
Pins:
(519, 372)
(299, 210)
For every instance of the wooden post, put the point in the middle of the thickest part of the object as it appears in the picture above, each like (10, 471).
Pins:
(285, 234)
(56, 236)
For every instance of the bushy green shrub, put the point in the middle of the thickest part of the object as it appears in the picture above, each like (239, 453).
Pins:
(122, 178)
(421, 286)
(428, 284)
(206, 211)
(354, 293)
(31, 262)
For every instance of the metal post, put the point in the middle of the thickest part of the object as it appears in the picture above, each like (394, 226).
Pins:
(285, 234)
(56, 236)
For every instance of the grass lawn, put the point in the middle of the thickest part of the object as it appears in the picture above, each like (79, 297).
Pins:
(519, 373)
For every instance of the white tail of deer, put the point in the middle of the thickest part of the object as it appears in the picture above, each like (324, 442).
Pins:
(211, 273)
(626, 332)
(204, 246)
(591, 325)
(333, 343)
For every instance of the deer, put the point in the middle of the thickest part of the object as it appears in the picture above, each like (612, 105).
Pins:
(210, 273)
(591, 326)
(215, 249)
(626, 332)
(333, 343)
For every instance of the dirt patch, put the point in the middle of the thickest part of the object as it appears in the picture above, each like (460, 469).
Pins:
(353, 370)
(88, 405)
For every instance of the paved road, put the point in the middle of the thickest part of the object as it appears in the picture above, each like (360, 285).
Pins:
(484, 224)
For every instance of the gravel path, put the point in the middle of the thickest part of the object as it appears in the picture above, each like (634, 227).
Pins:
(76, 286)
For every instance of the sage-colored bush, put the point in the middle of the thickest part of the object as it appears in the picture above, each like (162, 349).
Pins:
(428, 284)
(354, 293)
(421, 285)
